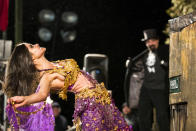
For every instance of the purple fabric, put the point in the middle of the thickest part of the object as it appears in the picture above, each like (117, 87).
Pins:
(87, 75)
(70, 87)
(96, 116)
(41, 121)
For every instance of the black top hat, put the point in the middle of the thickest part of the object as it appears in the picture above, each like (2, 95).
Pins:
(150, 34)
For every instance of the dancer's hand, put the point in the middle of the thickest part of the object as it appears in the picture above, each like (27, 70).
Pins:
(39, 96)
(18, 101)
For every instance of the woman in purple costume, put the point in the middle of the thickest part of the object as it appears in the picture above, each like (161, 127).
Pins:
(94, 108)
(23, 78)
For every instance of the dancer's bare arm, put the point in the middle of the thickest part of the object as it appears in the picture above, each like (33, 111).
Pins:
(41, 95)
(57, 84)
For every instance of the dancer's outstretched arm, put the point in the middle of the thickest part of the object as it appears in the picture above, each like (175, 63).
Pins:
(42, 94)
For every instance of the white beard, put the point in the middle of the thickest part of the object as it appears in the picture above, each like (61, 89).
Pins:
(151, 60)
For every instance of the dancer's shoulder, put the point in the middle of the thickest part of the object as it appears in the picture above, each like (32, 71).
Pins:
(66, 66)
(66, 61)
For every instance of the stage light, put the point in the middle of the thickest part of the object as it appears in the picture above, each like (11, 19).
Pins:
(68, 36)
(58, 26)
(46, 16)
(69, 18)
(45, 34)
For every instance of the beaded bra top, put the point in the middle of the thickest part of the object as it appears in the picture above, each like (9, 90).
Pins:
(70, 70)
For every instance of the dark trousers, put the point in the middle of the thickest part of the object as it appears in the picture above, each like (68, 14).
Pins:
(150, 98)
(135, 119)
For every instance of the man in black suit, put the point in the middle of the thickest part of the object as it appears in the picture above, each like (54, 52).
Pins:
(154, 91)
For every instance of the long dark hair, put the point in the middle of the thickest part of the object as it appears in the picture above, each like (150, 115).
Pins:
(21, 75)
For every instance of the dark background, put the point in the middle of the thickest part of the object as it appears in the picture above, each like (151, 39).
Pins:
(111, 27)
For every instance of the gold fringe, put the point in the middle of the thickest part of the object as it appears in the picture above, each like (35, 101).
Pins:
(24, 113)
(77, 124)
(70, 70)
(100, 93)
(28, 113)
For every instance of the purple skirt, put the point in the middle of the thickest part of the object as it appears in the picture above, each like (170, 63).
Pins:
(95, 111)
(37, 117)
(97, 117)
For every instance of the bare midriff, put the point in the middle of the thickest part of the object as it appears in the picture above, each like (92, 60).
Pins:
(81, 83)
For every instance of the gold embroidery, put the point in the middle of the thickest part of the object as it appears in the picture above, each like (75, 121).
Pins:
(23, 113)
(100, 94)
(77, 123)
(70, 70)
(28, 113)
(116, 127)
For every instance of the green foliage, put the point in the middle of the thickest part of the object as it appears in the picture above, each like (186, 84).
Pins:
(179, 8)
